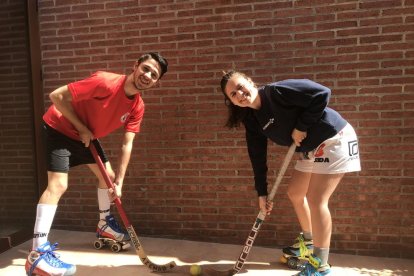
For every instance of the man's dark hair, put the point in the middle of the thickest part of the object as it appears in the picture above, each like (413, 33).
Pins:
(158, 58)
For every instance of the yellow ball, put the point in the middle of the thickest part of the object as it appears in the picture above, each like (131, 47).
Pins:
(195, 270)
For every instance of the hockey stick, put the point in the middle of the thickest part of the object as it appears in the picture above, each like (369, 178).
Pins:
(132, 234)
(259, 220)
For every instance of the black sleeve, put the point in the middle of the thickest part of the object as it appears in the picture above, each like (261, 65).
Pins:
(257, 148)
(310, 96)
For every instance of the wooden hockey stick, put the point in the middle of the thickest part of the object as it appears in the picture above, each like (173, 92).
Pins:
(132, 234)
(259, 221)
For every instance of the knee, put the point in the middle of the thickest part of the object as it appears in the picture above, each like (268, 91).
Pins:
(316, 202)
(57, 187)
(295, 195)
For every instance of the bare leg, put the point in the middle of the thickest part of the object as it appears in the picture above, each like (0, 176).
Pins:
(56, 187)
(321, 187)
(101, 181)
(296, 191)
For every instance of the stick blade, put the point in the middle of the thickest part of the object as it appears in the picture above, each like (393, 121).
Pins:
(157, 267)
(144, 257)
(213, 272)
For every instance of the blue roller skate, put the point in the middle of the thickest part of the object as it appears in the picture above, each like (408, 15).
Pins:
(314, 268)
(45, 262)
(109, 233)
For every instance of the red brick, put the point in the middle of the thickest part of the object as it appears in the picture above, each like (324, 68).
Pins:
(187, 168)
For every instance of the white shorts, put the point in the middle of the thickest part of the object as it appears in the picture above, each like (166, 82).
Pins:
(338, 154)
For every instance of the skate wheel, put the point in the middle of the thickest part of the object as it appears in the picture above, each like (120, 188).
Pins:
(292, 263)
(126, 246)
(283, 259)
(98, 244)
(115, 247)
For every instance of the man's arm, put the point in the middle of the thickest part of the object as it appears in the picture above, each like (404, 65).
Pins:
(62, 99)
(124, 157)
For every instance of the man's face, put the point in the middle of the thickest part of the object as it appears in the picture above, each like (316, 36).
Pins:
(146, 74)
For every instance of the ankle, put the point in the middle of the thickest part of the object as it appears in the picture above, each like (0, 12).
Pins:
(324, 267)
(307, 236)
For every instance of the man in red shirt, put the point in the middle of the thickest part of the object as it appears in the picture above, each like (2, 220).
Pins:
(81, 113)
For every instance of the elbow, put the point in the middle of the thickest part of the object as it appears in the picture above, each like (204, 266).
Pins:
(55, 97)
(327, 93)
(127, 147)
(59, 95)
(322, 97)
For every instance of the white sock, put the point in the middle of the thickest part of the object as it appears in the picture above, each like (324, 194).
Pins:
(104, 203)
(44, 218)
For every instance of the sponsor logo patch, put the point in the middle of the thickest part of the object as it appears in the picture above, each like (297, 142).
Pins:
(124, 117)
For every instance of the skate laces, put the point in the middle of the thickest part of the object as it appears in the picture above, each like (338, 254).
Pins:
(47, 252)
(303, 248)
(301, 240)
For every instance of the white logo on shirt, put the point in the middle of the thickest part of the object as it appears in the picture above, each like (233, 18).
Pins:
(124, 117)
(269, 123)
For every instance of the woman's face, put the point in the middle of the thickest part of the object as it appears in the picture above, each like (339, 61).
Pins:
(241, 91)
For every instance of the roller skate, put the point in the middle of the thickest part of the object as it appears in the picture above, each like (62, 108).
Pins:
(297, 255)
(314, 268)
(109, 233)
(44, 262)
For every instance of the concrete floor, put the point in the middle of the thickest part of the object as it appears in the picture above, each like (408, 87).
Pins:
(77, 247)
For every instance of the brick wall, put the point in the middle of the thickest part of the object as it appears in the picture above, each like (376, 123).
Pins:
(190, 177)
(18, 190)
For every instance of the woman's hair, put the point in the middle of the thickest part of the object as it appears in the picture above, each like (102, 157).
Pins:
(236, 113)
(158, 58)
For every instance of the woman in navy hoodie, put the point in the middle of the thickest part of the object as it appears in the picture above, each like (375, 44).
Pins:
(295, 111)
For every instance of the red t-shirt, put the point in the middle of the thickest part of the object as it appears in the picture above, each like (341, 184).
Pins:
(101, 104)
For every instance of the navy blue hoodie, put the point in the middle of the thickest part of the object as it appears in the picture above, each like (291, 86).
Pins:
(286, 105)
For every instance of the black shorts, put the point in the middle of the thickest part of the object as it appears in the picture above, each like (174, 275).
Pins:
(64, 153)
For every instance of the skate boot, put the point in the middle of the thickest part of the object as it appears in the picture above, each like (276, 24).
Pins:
(314, 268)
(295, 256)
(45, 262)
(109, 233)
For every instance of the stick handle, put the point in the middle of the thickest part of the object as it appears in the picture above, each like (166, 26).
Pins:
(109, 183)
(262, 215)
(282, 171)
